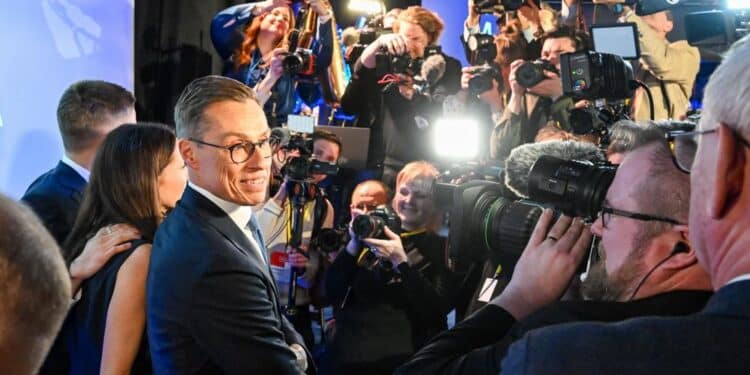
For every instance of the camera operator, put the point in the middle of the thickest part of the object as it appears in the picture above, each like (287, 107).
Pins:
(385, 312)
(668, 68)
(530, 109)
(252, 40)
(275, 223)
(400, 117)
(646, 266)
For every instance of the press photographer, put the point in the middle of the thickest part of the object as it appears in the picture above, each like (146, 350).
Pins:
(401, 107)
(391, 287)
(668, 68)
(253, 40)
(645, 266)
(537, 97)
(294, 217)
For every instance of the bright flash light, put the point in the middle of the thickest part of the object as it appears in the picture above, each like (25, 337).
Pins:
(738, 4)
(456, 138)
(366, 6)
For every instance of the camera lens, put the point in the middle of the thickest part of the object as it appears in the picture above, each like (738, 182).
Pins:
(292, 63)
(366, 226)
(529, 74)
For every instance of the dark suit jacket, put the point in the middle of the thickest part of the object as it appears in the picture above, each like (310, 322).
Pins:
(212, 304)
(55, 197)
(478, 344)
(714, 341)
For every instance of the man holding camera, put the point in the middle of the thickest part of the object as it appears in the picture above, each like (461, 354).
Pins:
(714, 340)
(391, 287)
(646, 266)
(536, 95)
(276, 225)
(668, 68)
(398, 114)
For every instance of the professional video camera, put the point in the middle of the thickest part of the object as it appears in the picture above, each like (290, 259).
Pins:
(372, 225)
(487, 222)
(592, 75)
(302, 167)
(530, 73)
(496, 6)
(483, 55)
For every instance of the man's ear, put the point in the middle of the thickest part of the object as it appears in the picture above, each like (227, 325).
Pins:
(730, 173)
(682, 254)
(187, 151)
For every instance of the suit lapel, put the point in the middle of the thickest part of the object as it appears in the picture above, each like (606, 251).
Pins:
(221, 222)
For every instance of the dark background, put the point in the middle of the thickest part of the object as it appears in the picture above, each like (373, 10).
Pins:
(173, 45)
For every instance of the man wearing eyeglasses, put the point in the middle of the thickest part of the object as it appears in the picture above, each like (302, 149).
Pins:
(646, 267)
(714, 340)
(212, 303)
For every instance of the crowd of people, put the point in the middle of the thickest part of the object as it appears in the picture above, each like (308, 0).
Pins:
(198, 248)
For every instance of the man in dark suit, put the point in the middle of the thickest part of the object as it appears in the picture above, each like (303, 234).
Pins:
(715, 340)
(646, 268)
(212, 304)
(87, 112)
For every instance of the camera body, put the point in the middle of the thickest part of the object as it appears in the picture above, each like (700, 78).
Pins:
(593, 75)
(530, 73)
(373, 223)
(496, 6)
(330, 240)
(301, 168)
(402, 64)
(482, 78)
(301, 62)
(483, 49)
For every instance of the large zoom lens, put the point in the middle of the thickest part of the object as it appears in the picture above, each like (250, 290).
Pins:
(574, 187)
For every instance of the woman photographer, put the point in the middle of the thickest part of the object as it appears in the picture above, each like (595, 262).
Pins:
(253, 40)
(386, 311)
(137, 177)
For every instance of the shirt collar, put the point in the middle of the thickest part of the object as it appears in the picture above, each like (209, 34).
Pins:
(83, 172)
(739, 278)
(239, 214)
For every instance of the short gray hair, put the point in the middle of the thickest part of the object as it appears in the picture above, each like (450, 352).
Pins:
(728, 91)
(35, 290)
(202, 92)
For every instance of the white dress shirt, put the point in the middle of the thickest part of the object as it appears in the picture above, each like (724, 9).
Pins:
(83, 172)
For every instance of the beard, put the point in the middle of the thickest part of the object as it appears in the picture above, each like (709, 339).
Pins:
(619, 286)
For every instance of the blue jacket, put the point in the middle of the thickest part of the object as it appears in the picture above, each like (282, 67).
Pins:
(227, 35)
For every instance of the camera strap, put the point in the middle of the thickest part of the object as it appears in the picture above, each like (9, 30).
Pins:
(665, 95)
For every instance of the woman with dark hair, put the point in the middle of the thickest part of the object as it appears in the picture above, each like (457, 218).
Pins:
(252, 39)
(137, 177)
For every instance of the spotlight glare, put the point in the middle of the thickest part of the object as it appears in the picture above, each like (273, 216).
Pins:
(366, 6)
(456, 138)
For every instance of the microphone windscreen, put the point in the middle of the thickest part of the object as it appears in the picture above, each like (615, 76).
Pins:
(433, 68)
(522, 158)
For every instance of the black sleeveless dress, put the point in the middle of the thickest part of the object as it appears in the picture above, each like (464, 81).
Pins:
(84, 327)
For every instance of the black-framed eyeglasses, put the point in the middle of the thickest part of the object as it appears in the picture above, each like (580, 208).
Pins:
(238, 152)
(607, 212)
(684, 145)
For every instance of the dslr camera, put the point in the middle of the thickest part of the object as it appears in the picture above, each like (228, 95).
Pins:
(300, 62)
(530, 73)
(402, 64)
(483, 54)
(372, 225)
(496, 6)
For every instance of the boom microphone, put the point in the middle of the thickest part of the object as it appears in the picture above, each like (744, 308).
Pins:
(522, 158)
(433, 69)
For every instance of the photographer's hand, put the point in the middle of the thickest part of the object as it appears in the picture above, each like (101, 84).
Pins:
(276, 70)
(472, 20)
(548, 88)
(394, 44)
(546, 265)
(297, 258)
(268, 5)
(353, 247)
(391, 249)
(322, 9)
(515, 104)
